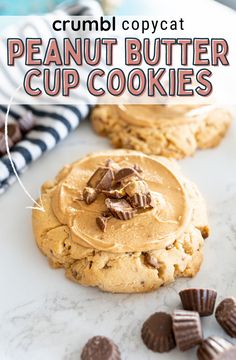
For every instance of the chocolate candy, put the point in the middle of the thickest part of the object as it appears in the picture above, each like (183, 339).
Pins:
(89, 195)
(212, 347)
(100, 348)
(101, 179)
(27, 122)
(124, 173)
(157, 333)
(120, 209)
(187, 329)
(14, 132)
(3, 149)
(200, 300)
(102, 222)
(226, 315)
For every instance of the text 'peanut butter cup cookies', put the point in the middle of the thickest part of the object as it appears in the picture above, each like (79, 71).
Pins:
(122, 221)
(169, 130)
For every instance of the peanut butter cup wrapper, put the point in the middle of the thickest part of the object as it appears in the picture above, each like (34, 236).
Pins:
(226, 315)
(157, 333)
(187, 329)
(212, 347)
(200, 300)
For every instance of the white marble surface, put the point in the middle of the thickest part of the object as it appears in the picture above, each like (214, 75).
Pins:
(45, 316)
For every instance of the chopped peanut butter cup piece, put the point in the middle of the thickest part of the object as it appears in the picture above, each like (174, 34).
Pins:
(102, 222)
(120, 209)
(112, 165)
(114, 193)
(137, 168)
(200, 300)
(101, 179)
(89, 195)
(125, 173)
(141, 201)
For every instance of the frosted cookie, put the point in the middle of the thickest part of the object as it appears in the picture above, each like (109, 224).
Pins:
(122, 221)
(169, 130)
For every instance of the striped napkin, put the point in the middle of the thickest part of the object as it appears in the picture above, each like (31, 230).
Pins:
(53, 123)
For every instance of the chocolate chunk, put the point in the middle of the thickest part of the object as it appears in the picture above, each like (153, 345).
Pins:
(89, 195)
(138, 168)
(3, 149)
(125, 173)
(141, 201)
(100, 348)
(27, 122)
(226, 315)
(212, 347)
(112, 165)
(187, 329)
(157, 333)
(120, 209)
(106, 214)
(14, 132)
(101, 179)
(114, 193)
(200, 300)
(102, 222)
(151, 260)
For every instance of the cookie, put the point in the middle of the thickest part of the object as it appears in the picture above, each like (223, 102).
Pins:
(168, 130)
(161, 241)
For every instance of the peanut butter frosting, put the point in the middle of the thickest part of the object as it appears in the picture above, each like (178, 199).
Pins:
(162, 116)
(152, 229)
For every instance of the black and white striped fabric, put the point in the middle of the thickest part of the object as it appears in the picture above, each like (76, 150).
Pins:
(53, 123)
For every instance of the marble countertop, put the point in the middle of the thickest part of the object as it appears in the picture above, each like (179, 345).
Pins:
(45, 316)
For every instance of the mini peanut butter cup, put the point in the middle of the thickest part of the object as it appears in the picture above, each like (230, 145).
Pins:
(157, 332)
(187, 329)
(100, 348)
(200, 300)
(120, 209)
(212, 347)
(226, 315)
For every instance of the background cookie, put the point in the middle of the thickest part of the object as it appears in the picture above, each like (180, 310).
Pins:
(172, 131)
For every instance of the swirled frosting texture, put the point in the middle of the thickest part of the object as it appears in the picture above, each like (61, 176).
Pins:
(152, 229)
